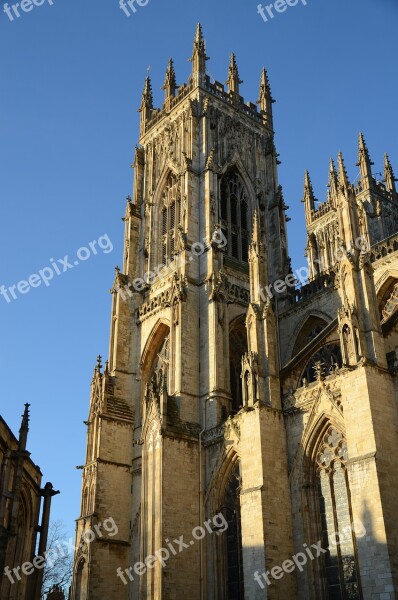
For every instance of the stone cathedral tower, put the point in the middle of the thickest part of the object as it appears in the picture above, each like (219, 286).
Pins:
(233, 401)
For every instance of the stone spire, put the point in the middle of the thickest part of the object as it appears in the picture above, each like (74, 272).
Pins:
(309, 197)
(146, 103)
(389, 176)
(199, 57)
(170, 84)
(233, 76)
(333, 181)
(343, 177)
(265, 100)
(364, 162)
(147, 95)
(24, 430)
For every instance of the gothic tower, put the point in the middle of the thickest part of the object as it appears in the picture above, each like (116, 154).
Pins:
(185, 421)
(238, 420)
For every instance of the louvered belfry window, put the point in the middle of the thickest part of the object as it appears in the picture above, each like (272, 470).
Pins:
(170, 217)
(234, 216)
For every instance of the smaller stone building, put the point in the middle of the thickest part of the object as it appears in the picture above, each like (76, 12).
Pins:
(56, 593)
(20, 507)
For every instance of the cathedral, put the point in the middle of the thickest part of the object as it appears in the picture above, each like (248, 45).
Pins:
(242, 433)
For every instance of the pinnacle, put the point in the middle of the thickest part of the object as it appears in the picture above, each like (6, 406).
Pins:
(147, 95)
(233, 71)
(199, 43)
(170, 81)
(343, 177)
(199, 33)
(265, 89)
(363, 152)
(308, 189)
(307, 182)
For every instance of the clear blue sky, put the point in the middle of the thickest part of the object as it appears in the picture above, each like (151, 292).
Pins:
(71, 80)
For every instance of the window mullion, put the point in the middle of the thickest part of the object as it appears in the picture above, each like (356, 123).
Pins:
(337, 534)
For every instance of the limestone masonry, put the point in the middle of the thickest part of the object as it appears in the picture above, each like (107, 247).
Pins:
(279, 411)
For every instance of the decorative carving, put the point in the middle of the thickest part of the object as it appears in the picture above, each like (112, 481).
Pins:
(176, 292)
(222, 432)
(249, 378)
(181, 240)
(210, 165)
(218, 286)
(186, 162)
(333, 450)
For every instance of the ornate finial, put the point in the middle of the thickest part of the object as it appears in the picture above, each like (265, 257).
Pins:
(364, 161)
(147, 95)
(24, 430)
(333, 180)
(99, 363)
(309, 196)
(199, 43)
(265, 89)
(319, 369)
(343, 177)
(233, 75)
(25, 416)
(199, 57)
(265, 99)
(362, 145)
(389, 176)
(170, 84)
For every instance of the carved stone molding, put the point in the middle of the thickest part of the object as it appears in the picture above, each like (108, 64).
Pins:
(175, 293)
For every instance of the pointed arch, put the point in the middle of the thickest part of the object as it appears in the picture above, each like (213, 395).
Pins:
(167, 214)
(306, 328)
(237, 164)
(169, 169)
(313, 437)
(236, 212)
(154, 341)
(23, 526)
(227, 547)
(81, 579)
(230, 459)
(238, 348)
(327, 509)
(155, 370)
(384, 282)
(387, 294)
(329, 356)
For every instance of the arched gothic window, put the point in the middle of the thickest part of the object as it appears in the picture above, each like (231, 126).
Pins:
(81, 581)
(229, 543)
(237, 349)
(335, 518)
(330, 358)
(311, 328)
(170, 217)
(235, 216)
(389, 303)
(159, 375)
